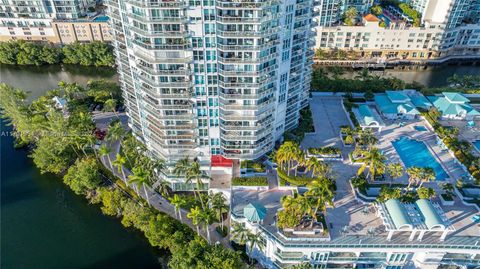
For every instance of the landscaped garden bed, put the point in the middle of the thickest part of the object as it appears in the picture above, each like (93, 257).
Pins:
(250, 168)
(346, 134)
(250, 181)
(291, 179)
(462, 150)
(330, 153)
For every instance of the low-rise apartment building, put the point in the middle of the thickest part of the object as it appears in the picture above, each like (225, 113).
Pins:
(58, 31)
(398, 40)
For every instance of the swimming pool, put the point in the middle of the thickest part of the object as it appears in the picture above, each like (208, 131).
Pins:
(420, 128)
(416, 153)
(476, 144)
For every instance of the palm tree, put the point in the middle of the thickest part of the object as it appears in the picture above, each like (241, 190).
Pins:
(115, 132)
(177, 201)
(427, 175)
(395, 170)
(414, 174)
(194, 215)
(367, 138)
(287, 153)
(207, 217)
(305, 205)
(364, 75)
(318, 168)
(254, 239)
(181, 166)
(239, 233)
(322, 190)
(375, 161)
(163, 188)
(118, 163)
(299, 158)
(104, 150)
(140, 177)
(218, 204)
(110, 106)
(194, 173)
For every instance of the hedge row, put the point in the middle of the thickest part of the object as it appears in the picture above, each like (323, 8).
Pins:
(292, 179)
(250, 181)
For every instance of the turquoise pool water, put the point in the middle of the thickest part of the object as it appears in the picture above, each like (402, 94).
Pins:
(420, 128)
(477, 144)
(416, 153)
(101, 19)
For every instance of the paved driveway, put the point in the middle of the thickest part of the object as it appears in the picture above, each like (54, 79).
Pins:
(328, 116)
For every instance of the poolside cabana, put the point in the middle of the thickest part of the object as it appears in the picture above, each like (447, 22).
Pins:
(368, 118)
(454, 106)
(420, 217)
(397, 105)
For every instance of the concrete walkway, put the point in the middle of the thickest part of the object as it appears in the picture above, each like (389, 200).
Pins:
(155, 200)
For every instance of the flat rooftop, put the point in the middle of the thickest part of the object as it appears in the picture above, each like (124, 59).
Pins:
(352, 222)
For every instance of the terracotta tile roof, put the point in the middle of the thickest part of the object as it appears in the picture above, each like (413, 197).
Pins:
(371, 18)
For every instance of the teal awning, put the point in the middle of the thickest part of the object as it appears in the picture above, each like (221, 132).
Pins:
(431, 218)
(398, 214)
(254, 212)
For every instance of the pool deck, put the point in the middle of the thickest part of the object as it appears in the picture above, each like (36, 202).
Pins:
(394, 131)
(351, 218)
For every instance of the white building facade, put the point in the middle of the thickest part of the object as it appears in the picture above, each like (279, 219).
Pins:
(33, 20)
(204, 79)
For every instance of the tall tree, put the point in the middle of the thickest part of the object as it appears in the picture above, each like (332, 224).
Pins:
(218, 204)
(318, 168)
(414, 174)
(119, 162)
(115, 132)
(177, 201)
(375, 161)
(207, 217)
(140, 178)
(104, 150)
(195, 216)
(395, 170)
(427, 175)
(240, 233)
(322, 190)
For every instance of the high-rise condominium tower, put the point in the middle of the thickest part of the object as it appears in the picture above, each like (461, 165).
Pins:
(213, 78)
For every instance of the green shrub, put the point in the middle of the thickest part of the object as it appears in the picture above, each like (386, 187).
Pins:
(250, 181)
(324, 151)
(22, 52)
(223, 232)
(292, 179)
(348, 140)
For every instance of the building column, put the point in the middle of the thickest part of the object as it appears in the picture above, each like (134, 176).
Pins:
(412, 235)
(444, 235)
(420, 237)
(390, 234)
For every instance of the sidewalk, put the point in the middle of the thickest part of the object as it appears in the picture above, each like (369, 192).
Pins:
(161, 204)
(156, 201)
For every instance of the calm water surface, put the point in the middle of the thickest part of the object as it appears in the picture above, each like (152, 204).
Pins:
(44, 225)
(430, 77)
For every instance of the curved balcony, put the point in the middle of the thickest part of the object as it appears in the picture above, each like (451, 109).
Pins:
(150, 46)
(246, 4)
(160, 4)
(253, 33)
(153, 72)
(147, 19)
(151, 33)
